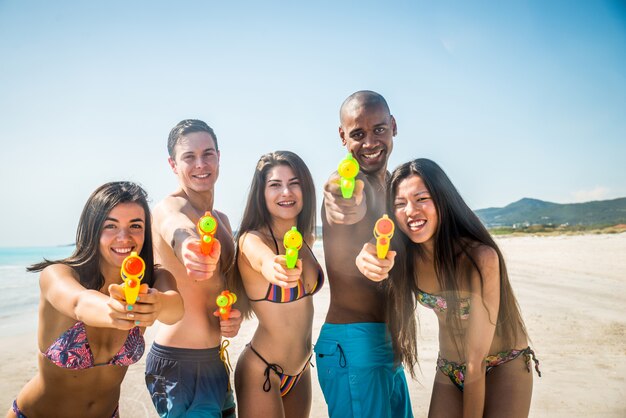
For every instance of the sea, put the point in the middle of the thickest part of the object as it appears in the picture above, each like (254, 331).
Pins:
(20, 289)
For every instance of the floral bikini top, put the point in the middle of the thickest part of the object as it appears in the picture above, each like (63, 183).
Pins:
(439, 304)
(279, 294)
(72, 351)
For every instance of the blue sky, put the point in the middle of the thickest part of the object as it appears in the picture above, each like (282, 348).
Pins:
(512, 99)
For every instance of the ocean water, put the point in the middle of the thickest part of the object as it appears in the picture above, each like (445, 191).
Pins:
(20, 289)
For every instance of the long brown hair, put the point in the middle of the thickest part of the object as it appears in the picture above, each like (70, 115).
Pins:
(86, 257)
(256, 215)
(458, 231)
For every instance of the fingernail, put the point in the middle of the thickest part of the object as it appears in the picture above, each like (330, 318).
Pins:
(136, 322)
(129, 307)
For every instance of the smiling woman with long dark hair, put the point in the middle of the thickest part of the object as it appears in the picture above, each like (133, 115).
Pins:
(447, 261)
(88, 334)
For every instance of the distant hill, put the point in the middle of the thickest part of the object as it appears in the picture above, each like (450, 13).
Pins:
(528, 211)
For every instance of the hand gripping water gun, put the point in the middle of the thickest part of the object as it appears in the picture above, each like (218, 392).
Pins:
(383, 231)
(133, 268)
(224, 302)
(348, 169)
(207, 227)
(292, 242)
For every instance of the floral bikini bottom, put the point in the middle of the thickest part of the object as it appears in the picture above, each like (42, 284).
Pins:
(456, 372)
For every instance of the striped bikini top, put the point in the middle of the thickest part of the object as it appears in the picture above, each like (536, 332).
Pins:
(279, 294)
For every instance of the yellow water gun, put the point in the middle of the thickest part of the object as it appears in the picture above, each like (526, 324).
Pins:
(348, 169)
(383, 231)
(224, 302)
(292, 242)
(207, 227)
(132, 271)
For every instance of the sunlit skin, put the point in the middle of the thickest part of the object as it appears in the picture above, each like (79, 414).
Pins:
(122, 232)
(415, 211)
(283, 194)
(196, 162)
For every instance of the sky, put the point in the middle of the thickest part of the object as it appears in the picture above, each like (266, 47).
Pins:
(513, 99)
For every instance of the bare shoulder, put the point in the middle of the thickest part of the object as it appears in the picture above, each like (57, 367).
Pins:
(221, 216)
(252, 238)
(55, 272)
(171, 203)
(486, 258)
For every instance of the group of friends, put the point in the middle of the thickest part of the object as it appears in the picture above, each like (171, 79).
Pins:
(441, 257)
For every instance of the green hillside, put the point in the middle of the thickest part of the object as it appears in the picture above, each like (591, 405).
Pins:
(528, 211)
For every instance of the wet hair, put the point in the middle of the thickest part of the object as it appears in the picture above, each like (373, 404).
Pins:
(86, 257)
(185, 127)
(256, 215)
(365, 98)
(459, 231)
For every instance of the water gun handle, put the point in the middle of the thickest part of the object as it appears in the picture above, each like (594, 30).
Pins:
(207, 227)
(132, 272)
(291, 256)
(347, 187)
(224, 303)
(383, 231)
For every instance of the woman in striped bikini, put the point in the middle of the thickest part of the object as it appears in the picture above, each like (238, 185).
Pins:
(447, 261)
(272, 377)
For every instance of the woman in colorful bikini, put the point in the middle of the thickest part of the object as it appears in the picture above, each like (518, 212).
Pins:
(272, 377)
(447, 261)
(88, 335)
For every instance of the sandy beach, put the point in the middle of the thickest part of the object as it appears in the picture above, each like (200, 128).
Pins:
(570, 289)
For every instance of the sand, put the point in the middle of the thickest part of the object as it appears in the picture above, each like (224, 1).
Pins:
(570, 289)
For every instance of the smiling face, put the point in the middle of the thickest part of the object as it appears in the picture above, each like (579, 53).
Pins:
(196, 161)
(283, 193)
(123, 231)
(415, 210)
(367, 131)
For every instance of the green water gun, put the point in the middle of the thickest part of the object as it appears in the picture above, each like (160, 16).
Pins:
(348, 169)
(292, 242)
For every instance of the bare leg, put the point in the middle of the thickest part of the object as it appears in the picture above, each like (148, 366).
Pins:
(509, 390)
(297, 402)
(252, 400)
(446, 400)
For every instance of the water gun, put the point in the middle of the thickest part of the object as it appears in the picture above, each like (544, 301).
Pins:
(207, 227)
(133, 269)
(224, 302)
(292, 242)
(383, 231)
(348, 169)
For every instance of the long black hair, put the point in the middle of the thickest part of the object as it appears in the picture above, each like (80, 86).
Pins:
(459, 231)
(256, 215)
(86, 257)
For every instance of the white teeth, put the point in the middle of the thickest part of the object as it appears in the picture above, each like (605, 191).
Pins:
(417, 224)
(121, 250)
(287, 203)
(372, 156)
(201, 176)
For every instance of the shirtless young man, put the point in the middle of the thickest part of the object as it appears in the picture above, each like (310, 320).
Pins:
(184, 373)
(354, 355)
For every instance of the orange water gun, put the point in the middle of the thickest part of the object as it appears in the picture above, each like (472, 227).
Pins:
(348, 169)
(133, 269)
(292, 242)
(207, 227)
(383, 231)
(224, 303)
